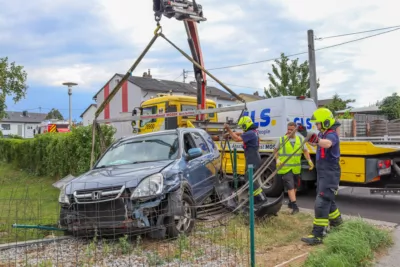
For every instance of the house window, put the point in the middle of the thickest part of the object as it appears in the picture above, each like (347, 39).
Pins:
(220, 105)
(29, 127)
(6, 127)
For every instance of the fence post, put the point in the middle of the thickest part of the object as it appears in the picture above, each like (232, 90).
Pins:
(235, 179)
(251, 201)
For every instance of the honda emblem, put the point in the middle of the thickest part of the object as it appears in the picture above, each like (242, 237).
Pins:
(96, 195)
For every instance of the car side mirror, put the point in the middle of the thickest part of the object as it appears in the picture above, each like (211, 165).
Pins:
(194, 153)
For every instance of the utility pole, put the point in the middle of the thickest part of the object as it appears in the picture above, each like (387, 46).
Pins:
(184, 75)
(70, 84)
(312, 67)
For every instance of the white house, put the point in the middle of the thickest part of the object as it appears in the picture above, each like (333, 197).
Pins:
(21, 123)
(88, 115)
(138, 89)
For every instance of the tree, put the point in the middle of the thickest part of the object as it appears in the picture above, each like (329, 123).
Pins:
(12, 83)
(339, 104)
(289, 78)
(54, 114)
(390, 106)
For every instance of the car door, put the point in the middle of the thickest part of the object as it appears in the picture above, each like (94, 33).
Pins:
(206, 168)
(192, 169)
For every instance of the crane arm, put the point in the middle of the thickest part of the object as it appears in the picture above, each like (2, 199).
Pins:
(190, 13)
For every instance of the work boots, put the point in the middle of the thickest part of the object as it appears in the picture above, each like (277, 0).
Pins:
(312, 240)
(293, 206)
(318, 233)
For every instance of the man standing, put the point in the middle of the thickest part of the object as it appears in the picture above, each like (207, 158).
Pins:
(328, 175)
(250, 140)
(290, 171)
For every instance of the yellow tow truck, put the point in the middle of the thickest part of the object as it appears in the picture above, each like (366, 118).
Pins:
(366, 163)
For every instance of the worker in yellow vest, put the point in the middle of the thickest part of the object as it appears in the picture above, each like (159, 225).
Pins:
(291, 170)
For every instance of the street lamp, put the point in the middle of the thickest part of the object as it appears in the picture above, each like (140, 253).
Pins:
(70, 84)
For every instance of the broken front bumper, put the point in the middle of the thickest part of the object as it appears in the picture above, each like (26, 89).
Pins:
(118, 214)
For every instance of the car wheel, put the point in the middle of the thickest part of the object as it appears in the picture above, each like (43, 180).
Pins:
(177, 225)
(274, 187)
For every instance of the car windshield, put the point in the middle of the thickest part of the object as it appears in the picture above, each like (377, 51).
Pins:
(148, 111)
(142, 149)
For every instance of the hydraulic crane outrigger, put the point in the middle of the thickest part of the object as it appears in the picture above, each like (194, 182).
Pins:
(190, 13)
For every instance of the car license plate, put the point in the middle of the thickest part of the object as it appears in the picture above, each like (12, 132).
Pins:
(384, 171)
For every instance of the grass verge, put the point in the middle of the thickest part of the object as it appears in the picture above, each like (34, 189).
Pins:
(25, 199)
(354, 244)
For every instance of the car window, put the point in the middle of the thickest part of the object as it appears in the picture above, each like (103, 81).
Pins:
(200, 143)
(142, 149)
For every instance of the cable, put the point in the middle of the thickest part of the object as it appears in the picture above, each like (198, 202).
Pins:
(355, 40)
(302, 53)
(347, 34)
(178, 76)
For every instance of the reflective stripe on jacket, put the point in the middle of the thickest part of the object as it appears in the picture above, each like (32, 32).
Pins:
(294, 163)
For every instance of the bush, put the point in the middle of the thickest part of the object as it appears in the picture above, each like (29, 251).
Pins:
(353, 245)
(55, 154)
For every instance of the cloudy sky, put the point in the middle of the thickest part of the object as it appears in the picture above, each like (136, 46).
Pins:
(88, 41)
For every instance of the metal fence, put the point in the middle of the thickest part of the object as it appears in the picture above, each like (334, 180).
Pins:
(30, 235)
(364, 120)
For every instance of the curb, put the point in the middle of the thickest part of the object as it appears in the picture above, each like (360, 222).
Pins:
(375, 222)
(32, 242)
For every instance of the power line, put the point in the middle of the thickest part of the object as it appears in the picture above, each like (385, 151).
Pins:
(302, 53)
(355, 40)
(178, 76)
(354, 33)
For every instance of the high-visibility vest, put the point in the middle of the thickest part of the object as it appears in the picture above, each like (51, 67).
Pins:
(294, 163)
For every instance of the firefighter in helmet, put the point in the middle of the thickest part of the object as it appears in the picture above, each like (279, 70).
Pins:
(250, 140)
(328, 175)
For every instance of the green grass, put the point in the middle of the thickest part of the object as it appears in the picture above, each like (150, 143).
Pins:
(26, 199)
(352, 245)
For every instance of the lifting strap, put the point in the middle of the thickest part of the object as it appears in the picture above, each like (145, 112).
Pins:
(106, 101)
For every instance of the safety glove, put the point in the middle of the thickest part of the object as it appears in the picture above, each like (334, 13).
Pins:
(278, 163)
(311, 164)
(312, 138)
(301, 129)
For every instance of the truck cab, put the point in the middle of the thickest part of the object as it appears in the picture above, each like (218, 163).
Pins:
(166, 104)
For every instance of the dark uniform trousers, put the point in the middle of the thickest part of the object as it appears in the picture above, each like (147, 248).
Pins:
(326, 211)
(253, 157)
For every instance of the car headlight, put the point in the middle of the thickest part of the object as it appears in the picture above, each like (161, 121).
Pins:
(63, 198)
(150, 186)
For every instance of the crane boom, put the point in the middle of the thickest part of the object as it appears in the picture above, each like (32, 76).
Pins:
(190, 13)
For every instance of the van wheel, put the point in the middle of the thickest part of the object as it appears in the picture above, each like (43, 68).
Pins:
(274, 187)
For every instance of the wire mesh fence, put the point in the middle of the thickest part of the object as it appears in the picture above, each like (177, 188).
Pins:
(114, 229)
(37, 231)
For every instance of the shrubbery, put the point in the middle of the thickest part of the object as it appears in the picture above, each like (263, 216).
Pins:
(55, 154)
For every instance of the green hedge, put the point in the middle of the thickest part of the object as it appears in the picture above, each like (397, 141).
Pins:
(55, 154)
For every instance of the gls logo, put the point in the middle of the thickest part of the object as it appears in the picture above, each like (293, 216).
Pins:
(265, 119)
(301, 120)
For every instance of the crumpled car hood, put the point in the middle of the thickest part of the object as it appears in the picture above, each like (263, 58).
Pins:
(129, 175)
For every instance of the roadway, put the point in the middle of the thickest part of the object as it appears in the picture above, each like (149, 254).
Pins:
(359, 202)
